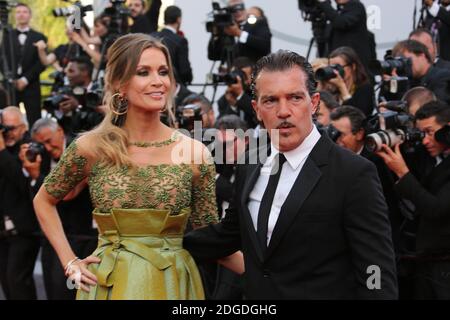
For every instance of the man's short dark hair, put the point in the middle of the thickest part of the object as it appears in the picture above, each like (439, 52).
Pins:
(329, 100)
(194, 98)
(412, 46)
(283, 60)
(356, 117)
(21, 4)
(85, 64)
(420, 31)
(230, 121)
(437, 109)
(421, 95)
(171, 14)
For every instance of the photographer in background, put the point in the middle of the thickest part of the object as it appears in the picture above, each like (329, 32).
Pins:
(429, 194)
(70, 104)
(423, 72)
(440, 10)
(327, 105)
(349, 28)
(195, 107)
(49, 143)
(425, 37)
(252, 40)
(351, 80)
(19, 243)
(144, 21)
(237, 97)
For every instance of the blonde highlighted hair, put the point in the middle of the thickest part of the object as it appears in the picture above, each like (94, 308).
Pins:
(111, 141)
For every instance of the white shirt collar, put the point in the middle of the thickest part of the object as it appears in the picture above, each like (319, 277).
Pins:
(171, 29)
(27, 29)
(296, 156)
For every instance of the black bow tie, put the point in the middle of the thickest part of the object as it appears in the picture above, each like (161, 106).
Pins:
(22, 32)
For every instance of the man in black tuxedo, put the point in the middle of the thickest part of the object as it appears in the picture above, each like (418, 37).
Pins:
(144, 21)
(430, 196)
(75, 211)
(252, 38)
(315, 227)
(177, 44)
(27, 67)
(349, 27)
(442, 13)
(19, 241)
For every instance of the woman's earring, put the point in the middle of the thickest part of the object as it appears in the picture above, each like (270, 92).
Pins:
(119, 104)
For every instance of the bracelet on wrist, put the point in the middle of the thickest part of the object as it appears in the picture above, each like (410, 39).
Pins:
(70, 263)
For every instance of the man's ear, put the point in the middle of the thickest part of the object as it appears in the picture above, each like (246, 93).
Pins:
(360, 135)
(315, 101)
(256, 108)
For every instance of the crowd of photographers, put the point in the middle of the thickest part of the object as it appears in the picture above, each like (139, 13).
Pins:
(394, 112)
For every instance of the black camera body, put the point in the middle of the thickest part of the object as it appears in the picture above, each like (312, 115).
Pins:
(228, 78)
(327, 73)
(52, 103)
(443, 135)
(188, 114)
(222, 17)
(391, 128)
(118, 14)
(34, 149)
(403, 66)
(70, 10)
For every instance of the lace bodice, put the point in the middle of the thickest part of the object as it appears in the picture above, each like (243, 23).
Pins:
(163, 186)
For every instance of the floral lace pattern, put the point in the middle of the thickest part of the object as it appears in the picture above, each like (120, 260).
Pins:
(165, 186)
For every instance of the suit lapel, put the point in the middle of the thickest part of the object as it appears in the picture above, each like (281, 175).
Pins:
(251, 178)
(303, 186)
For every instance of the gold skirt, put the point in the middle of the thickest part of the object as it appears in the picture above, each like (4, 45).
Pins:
(142, 257)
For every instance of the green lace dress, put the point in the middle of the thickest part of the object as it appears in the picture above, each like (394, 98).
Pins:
(141, 215)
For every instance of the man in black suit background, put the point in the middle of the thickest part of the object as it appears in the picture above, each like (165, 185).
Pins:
(75, 210)
(144, 21)
(430, 195)
(19, 241)
(296, 245)
(177, 44)
(425, 37)
(349, 28)
(27, 66)
(252, 39)
(440, 10)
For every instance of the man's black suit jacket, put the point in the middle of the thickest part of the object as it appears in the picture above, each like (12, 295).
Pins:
(28, 57)
(349, 28)
(332, 227)
(444, 33)
(179, 54)
(15, 197)
(430, 195)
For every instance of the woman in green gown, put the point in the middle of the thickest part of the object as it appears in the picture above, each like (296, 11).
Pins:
(146, 181)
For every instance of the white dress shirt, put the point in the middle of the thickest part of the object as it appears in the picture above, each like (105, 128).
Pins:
(291, 168)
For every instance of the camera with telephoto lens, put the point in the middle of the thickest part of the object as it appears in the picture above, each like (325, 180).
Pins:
(70, 10)
(222, 18)
(118, 15)
(327, 73)
(34, 149)
(330, 131)
(392, 127)
(229, 78)
(52, 103)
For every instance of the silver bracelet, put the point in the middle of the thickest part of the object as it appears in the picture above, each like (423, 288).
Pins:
(69, 264)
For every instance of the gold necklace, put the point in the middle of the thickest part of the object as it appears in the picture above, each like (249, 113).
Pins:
(156, 144)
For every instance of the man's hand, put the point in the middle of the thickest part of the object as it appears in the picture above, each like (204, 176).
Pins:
(20, 85)
(40, 45)
(394, 160)
(233, 30)
(69, 104)
(33, 168)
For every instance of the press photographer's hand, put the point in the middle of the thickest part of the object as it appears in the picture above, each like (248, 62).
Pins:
(69, 104)
(393, 159)
(33, 168)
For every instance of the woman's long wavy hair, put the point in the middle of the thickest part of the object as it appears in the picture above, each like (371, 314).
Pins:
(110, 139)
(350, 57)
